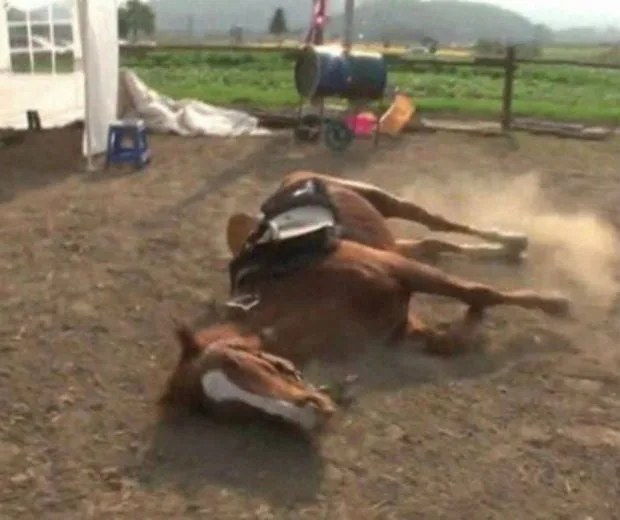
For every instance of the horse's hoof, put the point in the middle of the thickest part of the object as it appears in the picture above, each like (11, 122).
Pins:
(558, 306)
(514, 257)
(515, 245)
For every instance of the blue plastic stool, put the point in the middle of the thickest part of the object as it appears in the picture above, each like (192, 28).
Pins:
(138, 152)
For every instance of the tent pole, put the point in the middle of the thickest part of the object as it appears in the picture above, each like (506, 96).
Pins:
(83, 20)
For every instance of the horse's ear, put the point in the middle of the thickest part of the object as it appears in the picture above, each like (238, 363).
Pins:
(239, 228)
(189, 347)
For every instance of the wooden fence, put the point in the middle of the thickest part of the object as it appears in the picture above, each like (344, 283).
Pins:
(509, 63)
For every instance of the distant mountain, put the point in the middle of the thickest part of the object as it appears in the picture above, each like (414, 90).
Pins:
(405, 20)
(216, 16)
(594, 15)
(444, 20)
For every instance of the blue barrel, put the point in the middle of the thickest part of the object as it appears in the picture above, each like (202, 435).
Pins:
(327, 71)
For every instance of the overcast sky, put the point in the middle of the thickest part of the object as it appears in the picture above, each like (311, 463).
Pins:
(36, 4)
(558, 13)
(566, 12)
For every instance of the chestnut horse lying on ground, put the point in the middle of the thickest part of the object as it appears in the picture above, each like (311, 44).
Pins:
(319, 278)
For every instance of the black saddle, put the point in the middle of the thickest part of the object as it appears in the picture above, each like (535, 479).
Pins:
(299, 226)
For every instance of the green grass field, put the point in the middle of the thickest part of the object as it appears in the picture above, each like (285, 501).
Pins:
(265, 80)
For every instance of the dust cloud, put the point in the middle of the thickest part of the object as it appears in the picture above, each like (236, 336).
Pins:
(576, 249)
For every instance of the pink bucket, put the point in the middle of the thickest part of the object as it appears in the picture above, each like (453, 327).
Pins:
(362, 125)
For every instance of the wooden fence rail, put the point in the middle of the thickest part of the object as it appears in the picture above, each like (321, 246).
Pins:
(479, 61)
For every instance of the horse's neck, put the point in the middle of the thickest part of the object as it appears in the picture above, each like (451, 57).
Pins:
(233, 332)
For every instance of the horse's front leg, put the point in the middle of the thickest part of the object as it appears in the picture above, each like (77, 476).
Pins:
(454, 340)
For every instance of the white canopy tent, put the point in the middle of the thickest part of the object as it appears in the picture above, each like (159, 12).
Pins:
(91, 92)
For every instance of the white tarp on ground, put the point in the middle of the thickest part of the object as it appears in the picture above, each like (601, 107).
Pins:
(185, 117)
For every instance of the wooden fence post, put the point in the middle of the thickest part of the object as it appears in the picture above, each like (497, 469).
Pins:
(510, 66)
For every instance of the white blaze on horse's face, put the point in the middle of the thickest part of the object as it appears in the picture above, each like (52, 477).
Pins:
(219, 388)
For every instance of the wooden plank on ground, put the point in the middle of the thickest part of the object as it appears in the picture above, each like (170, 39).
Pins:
(282, 120)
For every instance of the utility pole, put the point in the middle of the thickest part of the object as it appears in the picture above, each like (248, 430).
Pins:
(317, 25)
(349, 8)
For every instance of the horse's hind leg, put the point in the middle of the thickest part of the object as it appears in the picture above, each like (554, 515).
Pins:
(392, 206)
(430, 249)
(510, 245)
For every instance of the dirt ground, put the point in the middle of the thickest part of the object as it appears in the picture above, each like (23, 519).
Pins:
(95, 268)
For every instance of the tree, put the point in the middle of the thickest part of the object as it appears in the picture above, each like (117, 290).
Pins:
(135, 17)
(236, 35)
(277, 26)
(542, 34)
(123, 23)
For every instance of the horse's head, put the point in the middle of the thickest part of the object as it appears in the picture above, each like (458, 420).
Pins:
(230, 376)
(225, 371)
